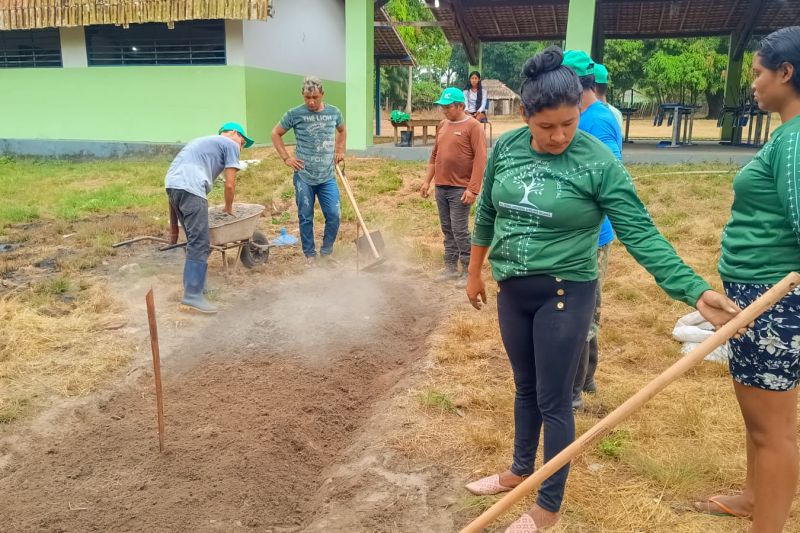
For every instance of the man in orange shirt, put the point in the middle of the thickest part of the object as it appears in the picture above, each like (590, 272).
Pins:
(456, 165)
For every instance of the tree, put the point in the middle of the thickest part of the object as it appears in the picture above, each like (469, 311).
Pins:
(504, 61)
(623, 59)
(429, 46)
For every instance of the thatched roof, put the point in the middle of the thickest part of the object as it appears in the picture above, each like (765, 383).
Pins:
(497, 90)
(29, 14)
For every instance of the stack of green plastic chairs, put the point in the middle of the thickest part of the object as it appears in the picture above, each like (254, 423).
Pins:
(398, 117)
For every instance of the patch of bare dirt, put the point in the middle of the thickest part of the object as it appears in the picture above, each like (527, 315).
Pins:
(274, 410)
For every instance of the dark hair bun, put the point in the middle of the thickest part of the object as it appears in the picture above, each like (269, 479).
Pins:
(545, 61)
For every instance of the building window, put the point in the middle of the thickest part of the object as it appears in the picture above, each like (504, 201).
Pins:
(194, 42)
(30, 48)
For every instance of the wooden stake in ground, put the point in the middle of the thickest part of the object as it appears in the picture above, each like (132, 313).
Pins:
(720, 337)
(151, 318)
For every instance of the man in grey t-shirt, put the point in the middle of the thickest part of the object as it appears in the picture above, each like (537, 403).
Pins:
(189, 180)
(320, 136)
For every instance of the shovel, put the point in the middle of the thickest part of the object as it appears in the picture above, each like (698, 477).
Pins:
(370, 243)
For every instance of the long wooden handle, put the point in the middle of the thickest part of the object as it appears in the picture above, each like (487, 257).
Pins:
(151, 319)
(742, 320)
(349, 192)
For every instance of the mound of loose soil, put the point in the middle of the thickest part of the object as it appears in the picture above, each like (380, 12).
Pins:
(252, 421)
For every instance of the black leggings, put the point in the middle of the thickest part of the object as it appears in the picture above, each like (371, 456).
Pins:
(544, 322)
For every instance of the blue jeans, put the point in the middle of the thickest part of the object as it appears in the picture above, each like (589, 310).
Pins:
(544, 322)
(305, 195)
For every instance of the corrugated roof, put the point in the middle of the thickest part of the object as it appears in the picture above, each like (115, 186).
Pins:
(389, 46)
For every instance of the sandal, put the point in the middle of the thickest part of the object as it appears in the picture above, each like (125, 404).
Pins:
(487, 486)
(724, 509)
(523, 524)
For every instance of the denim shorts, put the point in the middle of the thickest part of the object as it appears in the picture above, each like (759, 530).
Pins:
(768, 355)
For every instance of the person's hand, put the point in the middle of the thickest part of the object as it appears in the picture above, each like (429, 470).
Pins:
(424, 190)
(718, 309)
(476, 290)
(338, 157)
(468, 198)
(296, 164)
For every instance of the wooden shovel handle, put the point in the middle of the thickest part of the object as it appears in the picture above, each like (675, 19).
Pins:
(361, 223)
(720, 337)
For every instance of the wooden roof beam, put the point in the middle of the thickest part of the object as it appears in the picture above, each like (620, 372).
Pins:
(465, 32)
(744, 30)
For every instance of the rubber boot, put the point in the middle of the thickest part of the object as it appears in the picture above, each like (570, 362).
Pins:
(194, 279)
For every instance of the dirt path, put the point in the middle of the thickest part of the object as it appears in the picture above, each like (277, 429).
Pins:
(272, 411)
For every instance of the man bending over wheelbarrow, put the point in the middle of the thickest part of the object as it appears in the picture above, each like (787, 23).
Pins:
(189, 180)
(320, 136)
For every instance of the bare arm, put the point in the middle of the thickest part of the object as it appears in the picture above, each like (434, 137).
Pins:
(230, 188)
(277, 141)
(341, 143)
(426, 186)
(476, 288)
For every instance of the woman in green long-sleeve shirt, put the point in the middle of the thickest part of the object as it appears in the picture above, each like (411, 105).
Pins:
(545, 192)
(760, 245)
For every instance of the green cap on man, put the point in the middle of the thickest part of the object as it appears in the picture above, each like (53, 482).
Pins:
(235, 126)
(600, 73)
(451, 95)
(579, 61)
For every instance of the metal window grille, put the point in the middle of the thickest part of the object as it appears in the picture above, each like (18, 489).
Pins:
(30, 48)
(194, 42)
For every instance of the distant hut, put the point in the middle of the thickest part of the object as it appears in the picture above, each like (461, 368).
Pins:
(502, 100)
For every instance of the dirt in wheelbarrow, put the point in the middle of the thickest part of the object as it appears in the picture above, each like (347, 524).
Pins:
(262, 403)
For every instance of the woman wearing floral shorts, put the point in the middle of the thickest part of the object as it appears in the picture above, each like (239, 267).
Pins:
(760, 245)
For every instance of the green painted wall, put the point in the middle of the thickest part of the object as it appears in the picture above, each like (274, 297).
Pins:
(147, 104)
(150, 104)
(359, 71)
(580, 25)
(270, 94)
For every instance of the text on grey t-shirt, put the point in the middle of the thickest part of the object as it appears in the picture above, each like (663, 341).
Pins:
(315, 134)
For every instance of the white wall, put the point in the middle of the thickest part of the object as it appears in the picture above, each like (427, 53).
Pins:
(305, 37)
(73, 47)
(234, 43)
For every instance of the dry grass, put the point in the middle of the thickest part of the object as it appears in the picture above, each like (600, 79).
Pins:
(58, 339)
(686, 443)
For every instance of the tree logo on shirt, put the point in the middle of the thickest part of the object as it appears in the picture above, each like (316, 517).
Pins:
(536, 186)
(531, 183)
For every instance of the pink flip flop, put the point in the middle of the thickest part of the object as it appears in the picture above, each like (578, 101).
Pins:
(523, 524)
(487, 486)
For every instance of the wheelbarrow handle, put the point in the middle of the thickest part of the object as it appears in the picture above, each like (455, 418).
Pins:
(172, 246)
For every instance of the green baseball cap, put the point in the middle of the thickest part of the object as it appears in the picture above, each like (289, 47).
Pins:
(579, 61)
(235, 126)
(451, 95)
(600, 73)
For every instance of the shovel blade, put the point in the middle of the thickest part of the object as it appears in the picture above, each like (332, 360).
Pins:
(363, 244)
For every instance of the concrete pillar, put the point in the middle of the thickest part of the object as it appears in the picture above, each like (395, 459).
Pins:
(732, 83)
(359, 67)
(580, 25)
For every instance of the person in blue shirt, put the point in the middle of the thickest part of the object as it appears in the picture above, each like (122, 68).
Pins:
(597, 120)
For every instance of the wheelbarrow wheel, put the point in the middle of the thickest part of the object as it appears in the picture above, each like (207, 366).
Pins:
(252, 256)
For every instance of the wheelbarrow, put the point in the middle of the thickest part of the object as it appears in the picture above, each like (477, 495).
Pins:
(239, 234)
